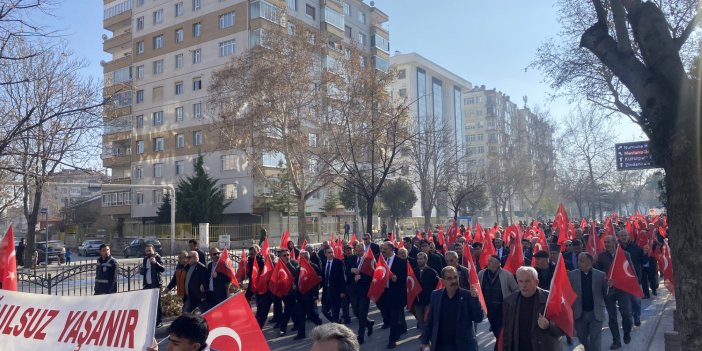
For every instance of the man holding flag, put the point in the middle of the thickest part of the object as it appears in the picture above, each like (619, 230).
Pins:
(590, 286)
(362, 275)
(496, 284)
(218, 281)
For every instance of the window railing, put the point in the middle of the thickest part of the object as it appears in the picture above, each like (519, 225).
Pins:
(117, 9)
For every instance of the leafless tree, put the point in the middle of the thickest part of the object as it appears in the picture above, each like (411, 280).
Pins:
(540, 171)
(634, 57)
(65, 111)
(270, 101)
(466, 189)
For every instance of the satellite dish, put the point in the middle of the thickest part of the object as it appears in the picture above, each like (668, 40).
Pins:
(372, 3)
(102, 62)
(104, 37)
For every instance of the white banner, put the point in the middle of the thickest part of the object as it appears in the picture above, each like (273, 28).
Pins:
(123, 321)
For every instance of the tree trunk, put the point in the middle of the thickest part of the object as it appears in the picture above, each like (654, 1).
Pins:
(32, 218)
(370, 201)
(301, 222)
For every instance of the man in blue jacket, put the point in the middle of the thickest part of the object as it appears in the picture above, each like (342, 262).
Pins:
(449, 324)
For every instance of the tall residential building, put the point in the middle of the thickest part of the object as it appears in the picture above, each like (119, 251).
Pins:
(163, 55)
(434, 92)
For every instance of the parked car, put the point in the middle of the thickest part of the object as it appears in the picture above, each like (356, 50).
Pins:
(52, 250)
(136, 247)
(90, 247)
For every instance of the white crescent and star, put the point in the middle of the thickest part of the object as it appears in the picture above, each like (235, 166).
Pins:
(627, 269)
(385, 272)
(224, 331)
(410, 280)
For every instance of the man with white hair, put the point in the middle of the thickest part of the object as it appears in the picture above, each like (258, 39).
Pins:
(334, 337)
(525, 327)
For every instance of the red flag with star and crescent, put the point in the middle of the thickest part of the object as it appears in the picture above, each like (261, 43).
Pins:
(665, 266)
(284, 239)
(241, 270)
(8, 263)
(226, 266)
(367, 266)
(413, 287)
(233, 326)
(559, 305)
(560, 222)
(516, 256)
(308, 277)
(281, 280)
(623, 276)
(473, 276)
(381, 277)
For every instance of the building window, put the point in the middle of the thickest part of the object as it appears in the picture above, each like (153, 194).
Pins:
(312, 139)
(197, 56)
(310, 11)
(140, 47)
(197, 110)
(197, 137)
(139, 198)
(139, 96)
(140, 146)
(334, 18)
(361, 17)
(292, 4)
(179, 9)
(228, 162)
(179, 114)
(140, 121)
(157, 194)
(179, 167)
(179, 61)
(226, 48)
(403, 92)
(157, 118)
(158, 66)
(140, 23)
(347, 9)
(179, 88)
(229, 191)
(180, 140)
(158, 173)
(361, 39)
(348, 32)
(197, 29)
(197, 84)
(197, 4)
(227, 20)
(179, 36)
(158, 144)
(139, 172)
(158, 16)
(140, 72)
(158, 41)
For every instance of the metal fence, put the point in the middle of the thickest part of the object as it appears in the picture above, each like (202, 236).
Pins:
(78, 279)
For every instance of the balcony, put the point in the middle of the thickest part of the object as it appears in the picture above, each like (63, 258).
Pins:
(119, 21)
(380, 63)
(118, 63)
(122, 41)
(111, 161)
(124, 180)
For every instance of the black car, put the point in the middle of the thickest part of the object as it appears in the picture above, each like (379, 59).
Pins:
(136, 247)
(54, 248)
(90, 247)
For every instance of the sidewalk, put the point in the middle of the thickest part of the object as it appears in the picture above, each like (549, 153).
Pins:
(664, 324)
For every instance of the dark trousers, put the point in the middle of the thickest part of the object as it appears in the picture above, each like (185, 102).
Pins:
(393, 314)
(589, 331)
(158, 310)
(624, 301)
(360, 304)
(292, 311)
(309, 308)
(330, 306)
(495, 319)
(248, 294)
(277, 309)
(345, 304)
(263, 306)
(649, 278)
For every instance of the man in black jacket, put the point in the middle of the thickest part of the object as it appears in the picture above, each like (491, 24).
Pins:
(195, 283)
(194, 245)
(615, 296)
(359, 294)
(368, 244)
(637, 260)
(217, 282)
(434, 260)
(254, 256)
(308, 300)
(428, 279)
(291, 310)
(151, 269)
(106, 272)
(392, 302)
(334, 285)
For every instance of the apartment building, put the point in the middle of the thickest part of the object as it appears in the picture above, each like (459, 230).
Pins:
(163, 55)
(434, 93)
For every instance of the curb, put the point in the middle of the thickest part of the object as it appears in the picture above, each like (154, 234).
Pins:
(659, 317)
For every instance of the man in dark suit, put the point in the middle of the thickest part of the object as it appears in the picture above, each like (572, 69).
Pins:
(501, 251)
(434, 260)
(334, 285)
(452, 311)
(392, 302)
(571, 257)
(314, 256)
(254, 256)
(615, 296)
(522, 315)
(637, 260)
(368, 244)
(589, 308)
(195, 282)
(217, 282)
(291, 310)
(411, 249)
(194, 245)
(151, 269)
(527, 251)
(544, 269)
(309, 299)
(349, 262)
(428, 279)
(359, 294)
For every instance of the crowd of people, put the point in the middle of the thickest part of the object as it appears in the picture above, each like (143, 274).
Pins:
(451, 302)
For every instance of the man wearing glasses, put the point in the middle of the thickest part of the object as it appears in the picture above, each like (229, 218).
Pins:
(368, 244)
(218, 282)
(195, 283)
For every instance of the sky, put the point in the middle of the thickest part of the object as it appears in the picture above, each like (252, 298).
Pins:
(487, 42)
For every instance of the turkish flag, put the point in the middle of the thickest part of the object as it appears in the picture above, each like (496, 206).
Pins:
(413, 287)
(353, 237)
(8, 263)
(338, 250)
(418, 235)
(665, 266)
(623, 276)
(516, 256)
(281, 280)
(452, 234)
(478, 237)
(304, 245)
(226, 267)
(440, 237)
(439, 284)
(488, 250)
(560, 222)
(262, 278)
(233, 326)
(583, 223)
(284, 239)
(265, 248)
(559, 305)
(381, 277)
(473, 277)
(308, 277)
(367, 266)
(608, 228)
(241, 270)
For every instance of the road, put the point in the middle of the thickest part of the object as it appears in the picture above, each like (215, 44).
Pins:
(641, 336)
